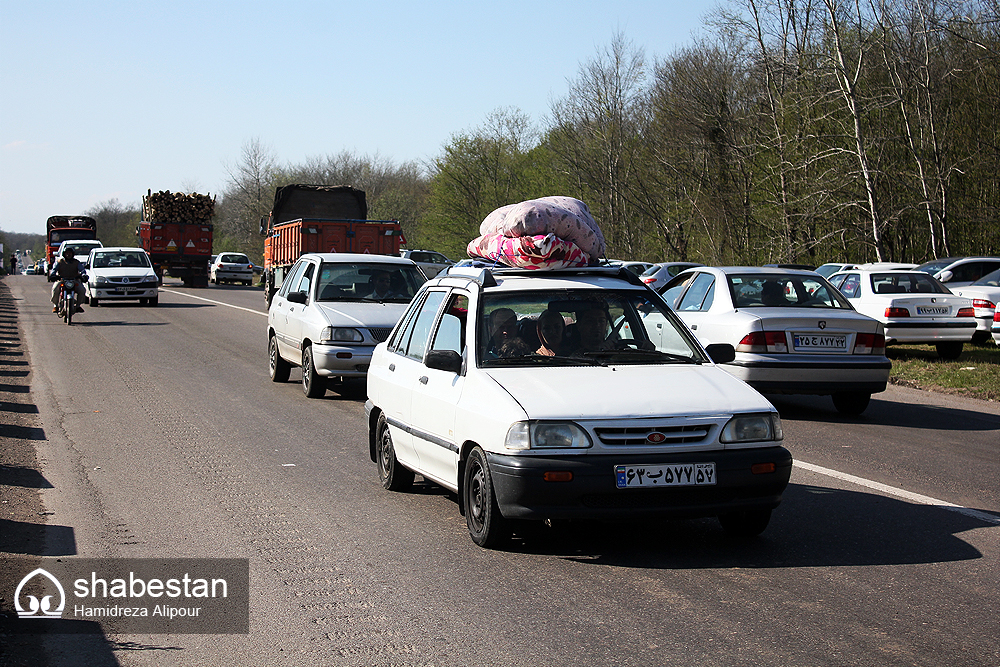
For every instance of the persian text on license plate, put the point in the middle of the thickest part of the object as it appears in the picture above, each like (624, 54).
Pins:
(932, 310)
(819, 342)
(678, 474)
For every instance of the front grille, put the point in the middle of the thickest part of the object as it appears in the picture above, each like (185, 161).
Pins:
(380, 334)
(637, 435)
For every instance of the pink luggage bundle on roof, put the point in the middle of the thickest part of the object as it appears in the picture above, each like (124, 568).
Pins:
(544, 233)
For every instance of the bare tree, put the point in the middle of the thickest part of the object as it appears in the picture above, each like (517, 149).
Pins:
(249, 194)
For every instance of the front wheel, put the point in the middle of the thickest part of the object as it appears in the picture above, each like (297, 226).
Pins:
(313, 384)
(745, 524)
(851, 403)
(277, 367)
(487, 526)
(949, 350)
(394, 477)
(68, 309)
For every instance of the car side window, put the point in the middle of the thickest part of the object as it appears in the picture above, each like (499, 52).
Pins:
(451, 331)
(402, 334)
(851, 287)
(306, 282)
(423, 323)
(699, 297)
(293, 278)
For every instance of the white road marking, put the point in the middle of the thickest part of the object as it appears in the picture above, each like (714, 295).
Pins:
(218, 303)
(900, 493)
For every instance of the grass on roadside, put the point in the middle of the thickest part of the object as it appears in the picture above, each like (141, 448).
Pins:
(975, 374)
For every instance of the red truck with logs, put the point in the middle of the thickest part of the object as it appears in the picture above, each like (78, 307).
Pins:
(320, 218)
(176, 233)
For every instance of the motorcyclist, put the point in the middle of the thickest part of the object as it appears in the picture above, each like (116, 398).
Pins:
(67, 268)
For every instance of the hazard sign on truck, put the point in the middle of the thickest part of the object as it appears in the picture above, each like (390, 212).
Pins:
(321, 218)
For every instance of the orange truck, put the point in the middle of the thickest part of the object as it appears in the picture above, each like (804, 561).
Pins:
(176, 233)
(320, 218)
(61, 228)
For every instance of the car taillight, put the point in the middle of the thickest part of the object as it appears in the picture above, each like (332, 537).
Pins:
(763, 341)
(996, 316)
(966, 312)
(867, 343)
(897, 312)
(648, 280)
(983, 303)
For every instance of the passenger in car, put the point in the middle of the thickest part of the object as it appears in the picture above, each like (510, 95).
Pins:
(503, 325)
(772, 294)
(550, 328)
(592, 329)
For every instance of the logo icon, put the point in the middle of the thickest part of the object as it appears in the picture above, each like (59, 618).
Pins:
(822, 324)
(655, 437)
(125, 280)
(39, 608)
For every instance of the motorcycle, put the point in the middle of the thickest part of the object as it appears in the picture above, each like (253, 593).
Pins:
(66, 304)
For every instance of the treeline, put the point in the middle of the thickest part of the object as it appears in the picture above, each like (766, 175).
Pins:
(793, 131)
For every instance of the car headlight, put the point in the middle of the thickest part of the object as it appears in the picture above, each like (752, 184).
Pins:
(101, 280)
(752, 428)
(341, 335)
(539, 435)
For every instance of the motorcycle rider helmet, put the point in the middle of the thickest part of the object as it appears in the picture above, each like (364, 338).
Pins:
(68, 253)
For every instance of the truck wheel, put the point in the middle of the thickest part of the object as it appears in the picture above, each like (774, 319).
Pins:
(313, 385)
(278, 367)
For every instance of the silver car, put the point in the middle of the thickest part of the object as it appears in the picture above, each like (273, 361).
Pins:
(331, 312)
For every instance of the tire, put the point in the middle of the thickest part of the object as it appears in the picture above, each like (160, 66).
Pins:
(155, 301)
(68, 309)
(313, 385)
(278, 368)
(394, 477)
(487, 526)
(746, 524)
(851, 403)
(94, 302)
(949, 351)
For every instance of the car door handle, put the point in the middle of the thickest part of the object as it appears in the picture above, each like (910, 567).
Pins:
(392, 367)
(694, 327)
(422, 379)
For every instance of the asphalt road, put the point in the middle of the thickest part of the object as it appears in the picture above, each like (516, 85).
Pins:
(163, 437)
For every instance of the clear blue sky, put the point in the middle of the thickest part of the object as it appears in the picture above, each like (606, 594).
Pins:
(102, 100)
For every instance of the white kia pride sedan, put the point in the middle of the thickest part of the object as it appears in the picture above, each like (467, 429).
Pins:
(331, 312)
(572, 393)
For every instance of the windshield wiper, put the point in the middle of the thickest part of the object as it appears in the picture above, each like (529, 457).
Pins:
(542, 360)
(637, 355)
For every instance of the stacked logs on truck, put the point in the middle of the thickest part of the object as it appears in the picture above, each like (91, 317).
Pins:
(166, 206)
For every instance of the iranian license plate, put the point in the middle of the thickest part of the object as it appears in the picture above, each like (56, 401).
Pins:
(933, 310)
(678, 474)
(819, 342)
(127, 288)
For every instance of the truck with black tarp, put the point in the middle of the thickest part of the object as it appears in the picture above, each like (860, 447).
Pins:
(61, 228)
(320, 218)
(176, 232)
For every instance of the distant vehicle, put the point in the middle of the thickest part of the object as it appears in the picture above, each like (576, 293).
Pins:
(331, 311)
(176, 232)
(61, 228)
(793, 332)
(611, 425)
(885, 266)
(231, 267)
(985, 295)
(638, 268)
(431, 263)
(913, 306)
(659, 274)
(320, 219)
(121, 274)
(960, 271)
(828, 269)
(797, 267)
(30, 271)
(81, 250)
(996, 326)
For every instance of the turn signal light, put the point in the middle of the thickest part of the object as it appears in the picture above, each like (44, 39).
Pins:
(762, 468)
(966, 312)
(867, 343)
(897, 312)
(558, 476)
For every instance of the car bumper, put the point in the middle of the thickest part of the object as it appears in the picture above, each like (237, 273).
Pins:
(810, 374)
(113, 294)
(930, 332)
(234, 275)
(523, 493)
(341, 360)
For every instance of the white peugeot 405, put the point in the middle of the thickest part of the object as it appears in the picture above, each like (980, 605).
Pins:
(568, 394)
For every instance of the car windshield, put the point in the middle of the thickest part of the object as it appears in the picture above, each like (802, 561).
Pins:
(81, 250)
(782, 290)
(989, 280)
(572, 327)
(828, 270)
(119, 259)
(70, 234)
(374, 281)
(935, 266)
(906, 283)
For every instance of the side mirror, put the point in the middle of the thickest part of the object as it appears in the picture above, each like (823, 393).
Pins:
(721, 353)
(297, 297)
(444, 360)
(945, 276)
